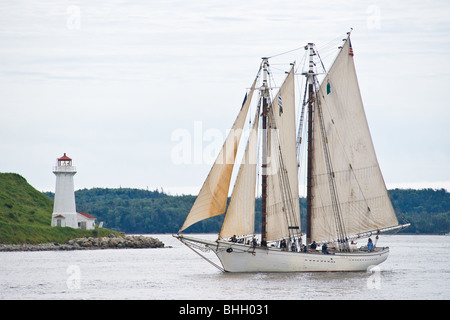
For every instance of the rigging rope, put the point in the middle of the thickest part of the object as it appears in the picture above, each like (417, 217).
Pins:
(286, 52)
(190, 247)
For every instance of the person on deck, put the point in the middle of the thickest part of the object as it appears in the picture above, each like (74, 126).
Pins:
(283, 244)
(370, 245)
(293, 247)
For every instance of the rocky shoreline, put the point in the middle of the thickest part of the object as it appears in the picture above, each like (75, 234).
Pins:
(110, 242)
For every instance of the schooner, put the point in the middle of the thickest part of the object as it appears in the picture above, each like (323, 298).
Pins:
(346, 195)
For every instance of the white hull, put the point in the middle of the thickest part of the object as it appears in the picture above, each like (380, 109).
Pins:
(236, 257)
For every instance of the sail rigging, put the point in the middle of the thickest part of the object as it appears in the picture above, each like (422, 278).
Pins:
(212, 198)
(280, 168)
(283, 210)
(346, 194)
(349, 194)
(240, 215)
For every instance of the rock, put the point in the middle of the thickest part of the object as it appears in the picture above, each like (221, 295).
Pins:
(110, 242)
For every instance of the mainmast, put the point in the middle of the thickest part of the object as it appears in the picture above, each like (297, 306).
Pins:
(310, 77)
(265, 96)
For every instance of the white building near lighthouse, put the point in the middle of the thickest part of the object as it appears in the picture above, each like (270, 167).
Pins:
(64, 208)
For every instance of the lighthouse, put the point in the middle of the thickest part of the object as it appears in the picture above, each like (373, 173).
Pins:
(64, 209)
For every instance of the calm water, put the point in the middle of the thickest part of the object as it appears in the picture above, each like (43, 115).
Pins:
(417, 268)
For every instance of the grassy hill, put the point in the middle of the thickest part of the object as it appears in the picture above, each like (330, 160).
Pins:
(20, 203)
(25, 215)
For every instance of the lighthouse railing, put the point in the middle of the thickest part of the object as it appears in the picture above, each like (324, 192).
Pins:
(64, 169)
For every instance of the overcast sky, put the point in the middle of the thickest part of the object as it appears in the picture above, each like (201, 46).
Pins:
(113, 83)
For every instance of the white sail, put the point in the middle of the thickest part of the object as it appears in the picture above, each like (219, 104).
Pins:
(240, 216)
(340, 126)
(212, 198)
(283, 210)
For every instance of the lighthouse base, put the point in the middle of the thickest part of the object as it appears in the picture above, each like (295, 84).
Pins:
(65, 219)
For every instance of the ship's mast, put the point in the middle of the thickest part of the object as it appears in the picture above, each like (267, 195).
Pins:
(310, 77)
(265, 96)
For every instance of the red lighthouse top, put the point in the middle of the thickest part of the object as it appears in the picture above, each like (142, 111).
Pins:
(64, 158)
(64, 161)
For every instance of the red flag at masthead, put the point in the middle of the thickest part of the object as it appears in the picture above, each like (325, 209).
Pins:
(350, 49)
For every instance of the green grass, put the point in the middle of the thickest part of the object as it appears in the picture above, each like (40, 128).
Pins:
(25, 215)
(20, 203)
(25, 233)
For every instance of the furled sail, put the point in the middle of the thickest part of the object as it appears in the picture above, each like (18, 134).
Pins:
(212, 198)
(283, 210)
(240, 216)
(341, 133)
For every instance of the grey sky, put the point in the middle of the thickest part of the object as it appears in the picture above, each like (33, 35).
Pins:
(109, 82)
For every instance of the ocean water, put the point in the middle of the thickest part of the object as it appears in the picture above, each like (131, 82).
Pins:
(418, 268)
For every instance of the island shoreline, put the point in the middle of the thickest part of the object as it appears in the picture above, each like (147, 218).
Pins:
(89, 243)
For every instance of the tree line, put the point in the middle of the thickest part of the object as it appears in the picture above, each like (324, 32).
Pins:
(137, 211)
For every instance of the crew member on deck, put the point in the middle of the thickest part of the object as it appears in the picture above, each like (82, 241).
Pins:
(370, 245)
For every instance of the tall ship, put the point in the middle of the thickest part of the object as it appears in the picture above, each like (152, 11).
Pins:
(346, 196)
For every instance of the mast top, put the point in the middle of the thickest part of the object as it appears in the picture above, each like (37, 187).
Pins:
(265, 84)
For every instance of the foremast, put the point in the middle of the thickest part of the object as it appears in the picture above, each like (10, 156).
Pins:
(279, 170)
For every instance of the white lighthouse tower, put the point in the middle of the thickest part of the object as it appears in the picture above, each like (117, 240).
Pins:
(64, 210)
